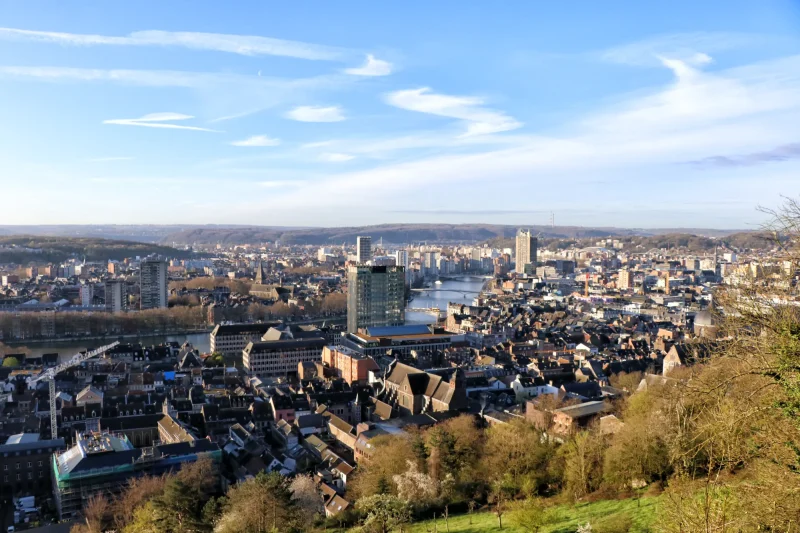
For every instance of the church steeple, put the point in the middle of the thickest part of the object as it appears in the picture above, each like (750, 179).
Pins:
(260, 274)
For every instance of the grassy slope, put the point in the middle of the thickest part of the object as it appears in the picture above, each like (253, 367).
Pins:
(572, 515)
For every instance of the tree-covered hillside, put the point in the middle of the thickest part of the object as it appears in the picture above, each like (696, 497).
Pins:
(26, 248)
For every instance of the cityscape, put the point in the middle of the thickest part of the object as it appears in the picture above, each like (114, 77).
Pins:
(524, 268)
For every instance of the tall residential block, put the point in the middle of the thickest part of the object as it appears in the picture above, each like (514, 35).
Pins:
(527, 249)
(153, 283)
(401, 259)
(363, 250)
(375, 296)
(625, 280)
(116, 295)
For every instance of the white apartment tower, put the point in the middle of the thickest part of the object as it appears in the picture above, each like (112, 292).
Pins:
(527, 246)
(153, 283)
(363, 249)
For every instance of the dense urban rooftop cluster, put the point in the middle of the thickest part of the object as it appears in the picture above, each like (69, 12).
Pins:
(287, 386)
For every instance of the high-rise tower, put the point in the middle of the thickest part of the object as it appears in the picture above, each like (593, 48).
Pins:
(153, 283)
(363, 249)
(527, 251)
(375, 296)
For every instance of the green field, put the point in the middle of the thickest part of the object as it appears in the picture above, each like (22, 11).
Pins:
(642, 514)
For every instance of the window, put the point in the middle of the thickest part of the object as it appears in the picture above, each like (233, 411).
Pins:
(17, 466)
(19, 477)
(40, 463)
(30, 464)
(30, 475)
(41, 474)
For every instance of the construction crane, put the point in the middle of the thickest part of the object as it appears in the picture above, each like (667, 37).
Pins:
(51, 373)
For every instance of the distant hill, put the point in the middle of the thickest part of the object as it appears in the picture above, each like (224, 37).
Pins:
(182, 234)
(23, 249)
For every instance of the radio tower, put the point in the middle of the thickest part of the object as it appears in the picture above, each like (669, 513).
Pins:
(552, 220)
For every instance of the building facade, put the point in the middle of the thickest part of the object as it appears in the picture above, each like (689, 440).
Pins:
(231, 339)
(527, 250)
(363, 250)
(348, 364)
(25, 465)
(375, 296)
(153, 284)
(116, 296)
(279, 358)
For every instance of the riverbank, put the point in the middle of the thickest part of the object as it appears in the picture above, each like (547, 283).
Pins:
(109, 338)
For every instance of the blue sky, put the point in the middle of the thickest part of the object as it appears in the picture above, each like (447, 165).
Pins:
(616, 113)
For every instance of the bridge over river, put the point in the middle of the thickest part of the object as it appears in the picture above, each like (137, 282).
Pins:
(430, 303)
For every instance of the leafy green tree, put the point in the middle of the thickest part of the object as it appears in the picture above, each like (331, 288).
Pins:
(531, 515)
(260, 505)
(179, 508)
(517, 456)
(383, 513)
(389, 458)
(10, 362)
(144, 520)
(583, 461)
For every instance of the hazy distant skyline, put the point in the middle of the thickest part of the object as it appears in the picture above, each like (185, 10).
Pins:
(622, 113)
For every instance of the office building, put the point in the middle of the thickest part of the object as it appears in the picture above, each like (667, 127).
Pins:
(375, 296)
(527, 246)
(279, 352)
(363, 250)
(231, 339)
(116, 295)
(153, 283)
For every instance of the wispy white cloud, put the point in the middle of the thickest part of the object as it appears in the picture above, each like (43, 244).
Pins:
(691, 48)
(316, 114)
(247, 45)
(158, 120)
(224, 95)
(108, 159)
(748, 109)
(273, 184)
(479, 120)
(257, 140)
(372, 67)
(336, 157)
(317, 144)
(173, 78)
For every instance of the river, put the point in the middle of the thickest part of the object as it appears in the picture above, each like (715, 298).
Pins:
(447, 292)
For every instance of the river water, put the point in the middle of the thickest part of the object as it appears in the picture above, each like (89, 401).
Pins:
(447, 292)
